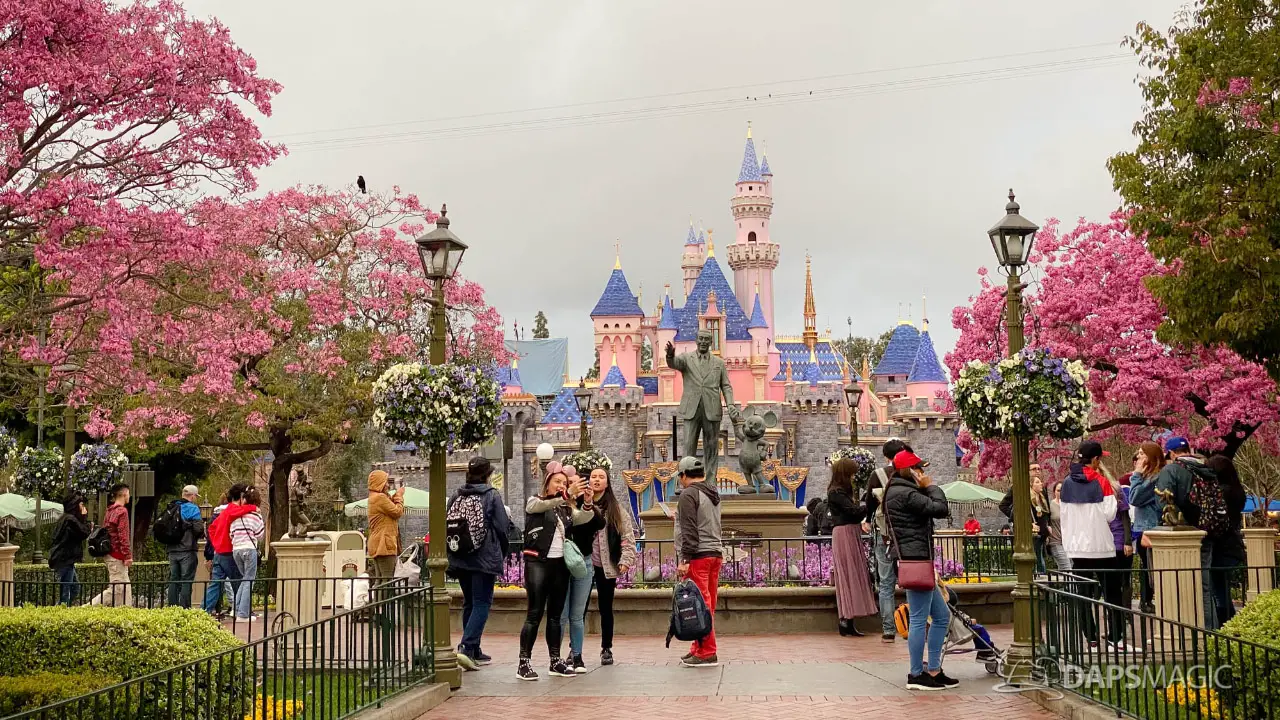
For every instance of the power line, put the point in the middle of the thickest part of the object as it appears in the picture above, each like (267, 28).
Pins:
(708, 106)
(681, 93)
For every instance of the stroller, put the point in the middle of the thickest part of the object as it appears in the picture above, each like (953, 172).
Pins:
(960, 632)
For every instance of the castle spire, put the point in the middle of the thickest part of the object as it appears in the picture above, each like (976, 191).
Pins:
(711, 245)
(617, 256)
(750, 171)
(810, 308)
(924, 313)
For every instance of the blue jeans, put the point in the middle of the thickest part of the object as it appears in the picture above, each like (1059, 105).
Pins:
(927, 606)
(477, 598)
(182, 571)
(1211, 599)
(887, 572)
(69, 589)
(224, 570)
(247, 562)
(575, 611)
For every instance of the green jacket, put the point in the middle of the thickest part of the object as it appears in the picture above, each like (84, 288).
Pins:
(1177, 477)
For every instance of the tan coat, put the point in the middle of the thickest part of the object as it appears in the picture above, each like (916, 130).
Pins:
(384, 517)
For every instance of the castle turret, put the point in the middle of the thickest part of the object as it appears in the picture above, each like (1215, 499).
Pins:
(752, 256)
(512, 385)
(895, 365)
(695, 254)
(761, 350)
(668, 325)
(617, 318)
(926, 378)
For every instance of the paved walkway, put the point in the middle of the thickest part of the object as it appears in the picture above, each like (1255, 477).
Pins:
(809, 677)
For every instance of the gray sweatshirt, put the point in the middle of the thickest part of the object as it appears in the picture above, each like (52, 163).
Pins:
(697, 526)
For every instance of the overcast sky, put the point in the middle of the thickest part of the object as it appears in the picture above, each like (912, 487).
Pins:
(922, 116)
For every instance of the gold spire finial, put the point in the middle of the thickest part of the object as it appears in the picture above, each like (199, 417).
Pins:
(711, 245)
(748, 129)
(515, 361)
(924, 312)
(617, 256)
(757, 287)
(810, 307)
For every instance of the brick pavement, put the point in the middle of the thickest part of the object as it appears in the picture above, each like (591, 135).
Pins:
(781, 677)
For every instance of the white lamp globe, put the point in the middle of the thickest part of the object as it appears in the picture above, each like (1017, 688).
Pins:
(545, 452)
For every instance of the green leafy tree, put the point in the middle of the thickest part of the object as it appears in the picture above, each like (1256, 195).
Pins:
(594, 372)
(859, 347)
(540, 331)
(1201, 182)
(646, 357)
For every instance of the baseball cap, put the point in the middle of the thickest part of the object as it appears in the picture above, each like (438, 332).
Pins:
(479, 468)
(690, 463)
(907, 459)
(1176, 443)
(1090, 449)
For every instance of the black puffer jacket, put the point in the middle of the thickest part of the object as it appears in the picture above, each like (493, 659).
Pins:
(911, 511)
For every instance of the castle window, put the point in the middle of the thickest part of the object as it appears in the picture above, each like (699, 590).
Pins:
(749, 188)
(713, 324)
(751, 236)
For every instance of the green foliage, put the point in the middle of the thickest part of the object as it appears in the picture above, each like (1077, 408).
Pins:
(1255, 674)
(540, 330)
(93, 572)
(121, 642)
(1201, 182)
(859, 347)
(27, 692)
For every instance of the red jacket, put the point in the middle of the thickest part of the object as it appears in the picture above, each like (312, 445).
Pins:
(220, 530)
(972, 527)
(117, 525)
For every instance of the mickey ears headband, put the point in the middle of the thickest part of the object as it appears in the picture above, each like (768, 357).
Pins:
(555, 466)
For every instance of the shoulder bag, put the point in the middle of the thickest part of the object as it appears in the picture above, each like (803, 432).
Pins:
(915, 575)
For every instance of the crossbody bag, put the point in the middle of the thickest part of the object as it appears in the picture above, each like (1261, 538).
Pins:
(915, 575)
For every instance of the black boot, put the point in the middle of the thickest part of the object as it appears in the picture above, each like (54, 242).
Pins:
(848, 628)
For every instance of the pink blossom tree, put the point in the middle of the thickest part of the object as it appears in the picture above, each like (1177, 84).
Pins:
(265, 328)
(1089, 301)
(112, 115)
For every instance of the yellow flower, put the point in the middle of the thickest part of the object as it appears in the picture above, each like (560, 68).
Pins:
(269, 708)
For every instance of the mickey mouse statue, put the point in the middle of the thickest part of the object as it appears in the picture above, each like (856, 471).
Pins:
(752, 454)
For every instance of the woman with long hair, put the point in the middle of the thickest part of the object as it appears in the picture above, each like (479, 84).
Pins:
(574, 615)
(613, 554)
(1148, 460)
(1041, 518)
(854, 598)
(1053, 543)
(549, 518)
(1228, 549)
(246, 532)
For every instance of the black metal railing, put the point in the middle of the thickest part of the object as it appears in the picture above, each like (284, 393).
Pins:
(271, 601)
(1145, 665)
(1221, 590)
(325, 670)
(980, 558)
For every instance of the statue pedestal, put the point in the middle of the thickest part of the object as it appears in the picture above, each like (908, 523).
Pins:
(761, 515)
(7, 553)
(1177, 578)
(1260, 551)
(299, 567)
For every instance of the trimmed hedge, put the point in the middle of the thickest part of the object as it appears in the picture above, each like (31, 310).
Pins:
(120, 642)
(93, 572)
(28, 692)
(1255, 674)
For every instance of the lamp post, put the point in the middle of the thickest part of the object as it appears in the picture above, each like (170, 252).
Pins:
(1011, 238)
(582, 398)
(440, 251)
(853, 396)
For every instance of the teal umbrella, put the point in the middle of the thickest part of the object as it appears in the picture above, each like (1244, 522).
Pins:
(416, 502)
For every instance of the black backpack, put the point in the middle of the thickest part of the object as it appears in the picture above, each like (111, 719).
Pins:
(1206, 495)
(464, 525)
(690, 618)
(99, 542)
(169, 529)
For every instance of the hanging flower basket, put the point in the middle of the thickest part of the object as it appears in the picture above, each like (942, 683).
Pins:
(95, 468)
(1032, 394)
(866, 461)
(440, 407)
(8, 446)
(584, 461)
(39, 473)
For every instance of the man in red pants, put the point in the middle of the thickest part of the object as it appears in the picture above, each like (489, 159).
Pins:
(699, 549)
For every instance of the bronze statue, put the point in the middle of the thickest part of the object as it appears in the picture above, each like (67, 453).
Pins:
(300, 526)
(1170, 516)
(705, 381)
(751, 456)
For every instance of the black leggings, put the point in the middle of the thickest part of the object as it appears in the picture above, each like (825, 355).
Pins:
(604, 601)
(546, 583)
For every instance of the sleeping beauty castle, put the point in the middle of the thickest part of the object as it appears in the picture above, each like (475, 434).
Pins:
(796, 383)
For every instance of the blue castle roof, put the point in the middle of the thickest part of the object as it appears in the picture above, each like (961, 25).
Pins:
(509, 376)
(735, 319)
(830, 361)
(926, 367)
(757, 316)
(764, 165)
(702, 237)
(614, 378)
(670, 318)
(900, 353)
(617, 298)
(693, 237)
(563, 410)
(750, 167)
(649, 383)
(812, 374)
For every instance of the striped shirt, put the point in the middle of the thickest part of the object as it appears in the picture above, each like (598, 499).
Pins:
(246, 531)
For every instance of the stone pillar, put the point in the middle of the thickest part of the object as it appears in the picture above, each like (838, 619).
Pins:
(201, 582)
(299, 565)
(7, 553)
(1176, 573)
(951, 541)
(1260, 551)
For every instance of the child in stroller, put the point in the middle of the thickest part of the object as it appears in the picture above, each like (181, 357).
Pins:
(960, 631)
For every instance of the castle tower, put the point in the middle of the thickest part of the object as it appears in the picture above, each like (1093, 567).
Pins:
(668, 325)
(890, 374)
(695, 254)
(927, 377)
(810, 307)
(752, 256)
(617, 318)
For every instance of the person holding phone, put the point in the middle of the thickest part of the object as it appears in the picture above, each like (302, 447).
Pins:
(912, 502)
(68, 546)
(548, 519)
(385, 510)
